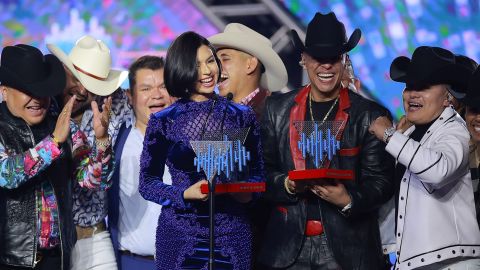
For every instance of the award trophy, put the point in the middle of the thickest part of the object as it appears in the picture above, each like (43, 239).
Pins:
(222, 153)
(318, 144)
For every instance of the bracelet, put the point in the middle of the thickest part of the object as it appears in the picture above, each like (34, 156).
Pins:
(347, 207)
(388, 133)
(287, 188)
(103, 143)
(55, 140)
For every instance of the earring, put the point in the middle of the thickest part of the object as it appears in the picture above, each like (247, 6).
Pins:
(302, 63)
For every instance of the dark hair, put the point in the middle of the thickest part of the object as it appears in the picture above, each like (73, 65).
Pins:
(181, 71)
(147, 62)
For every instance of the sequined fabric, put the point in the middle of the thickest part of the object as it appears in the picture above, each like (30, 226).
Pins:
(183, 225)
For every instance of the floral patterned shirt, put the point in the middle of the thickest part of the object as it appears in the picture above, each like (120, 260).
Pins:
(93, 169)
(90, 206)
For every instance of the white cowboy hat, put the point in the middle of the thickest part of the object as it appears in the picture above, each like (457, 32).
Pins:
(90, 62)
(240, 37)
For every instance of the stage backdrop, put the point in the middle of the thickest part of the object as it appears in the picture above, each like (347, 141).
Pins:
(391, 28)
(129, 28)
(133, 28)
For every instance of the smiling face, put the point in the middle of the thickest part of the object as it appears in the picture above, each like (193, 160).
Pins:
(472, 117)
(84, 97)
(424, 105)
(207, 69)
(234, 70)
(31, 109)
(325, 76)
(149, 94)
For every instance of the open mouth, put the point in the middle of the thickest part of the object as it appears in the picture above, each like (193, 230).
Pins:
(476, 127)
(157, 107)
(223, 77)
(413, 106)
(325, 77)
(207, 82)
(35, 109)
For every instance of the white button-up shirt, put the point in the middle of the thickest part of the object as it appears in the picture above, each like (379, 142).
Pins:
(138, 217)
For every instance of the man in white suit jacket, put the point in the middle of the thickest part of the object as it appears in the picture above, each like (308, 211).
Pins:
(436, 224)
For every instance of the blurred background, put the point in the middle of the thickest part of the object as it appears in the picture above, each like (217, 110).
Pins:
(134, 28)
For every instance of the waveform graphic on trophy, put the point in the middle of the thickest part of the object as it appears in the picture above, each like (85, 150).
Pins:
(222, 152)
(318, 143)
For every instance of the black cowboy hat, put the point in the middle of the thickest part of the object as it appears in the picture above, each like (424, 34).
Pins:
(470, 65)
(326, 37)
(25, 68)
(429, 66)
(472, 98)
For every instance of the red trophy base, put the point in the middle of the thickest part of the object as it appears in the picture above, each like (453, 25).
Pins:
(316, 174)
(235, 188)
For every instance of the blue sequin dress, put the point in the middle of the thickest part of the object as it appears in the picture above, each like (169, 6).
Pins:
(182, 231)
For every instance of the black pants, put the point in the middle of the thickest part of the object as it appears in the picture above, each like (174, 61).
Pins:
(314, 255)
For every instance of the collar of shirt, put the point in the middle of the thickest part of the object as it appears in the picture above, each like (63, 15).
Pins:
(131, 119)
(249, 97)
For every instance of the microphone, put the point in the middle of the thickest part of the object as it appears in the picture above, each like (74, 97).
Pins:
(229, 97)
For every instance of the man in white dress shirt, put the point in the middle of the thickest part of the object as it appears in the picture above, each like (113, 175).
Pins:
(132, 219)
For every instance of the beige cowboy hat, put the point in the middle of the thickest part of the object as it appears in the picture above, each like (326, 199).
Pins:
(240, 37)
(90, 62)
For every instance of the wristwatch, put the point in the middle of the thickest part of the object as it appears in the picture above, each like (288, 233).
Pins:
(388, 133)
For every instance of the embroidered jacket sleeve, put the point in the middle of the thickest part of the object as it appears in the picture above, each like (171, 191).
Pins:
(19, 168)
(436, 164)
(93, 166)
(152, 165)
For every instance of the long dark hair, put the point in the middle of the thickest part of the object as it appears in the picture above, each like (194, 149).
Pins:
(181, 71)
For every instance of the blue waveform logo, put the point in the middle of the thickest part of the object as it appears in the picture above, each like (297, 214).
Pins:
(318, 145)
(216, 157)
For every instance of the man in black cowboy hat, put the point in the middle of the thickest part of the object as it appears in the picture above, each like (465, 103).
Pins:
(472, 119)
(436, 226)
(324, 225)
(37, 164)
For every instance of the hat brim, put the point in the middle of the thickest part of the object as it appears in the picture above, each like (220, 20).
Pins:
(399, 68)
(326, 50)
(96, 86)
(51, 86)
(472, 99)
(452, 74)
(275, 76)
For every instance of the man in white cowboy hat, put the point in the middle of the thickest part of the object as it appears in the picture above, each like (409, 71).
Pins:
(324, 224)
(250, 66)
(251, 70)
(89, 75)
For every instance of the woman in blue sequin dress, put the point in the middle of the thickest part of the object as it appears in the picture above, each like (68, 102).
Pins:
(191, 73)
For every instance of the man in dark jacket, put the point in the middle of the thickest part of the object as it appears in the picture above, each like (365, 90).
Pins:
(37, 163)
(324, 225)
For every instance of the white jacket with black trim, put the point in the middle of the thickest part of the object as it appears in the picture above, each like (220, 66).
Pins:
(436, 217)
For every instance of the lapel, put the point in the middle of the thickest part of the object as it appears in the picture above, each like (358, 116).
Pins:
(297, 113)
(448, 114)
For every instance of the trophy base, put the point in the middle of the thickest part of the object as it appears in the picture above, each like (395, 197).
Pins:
(315, 174)
(235, 188)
